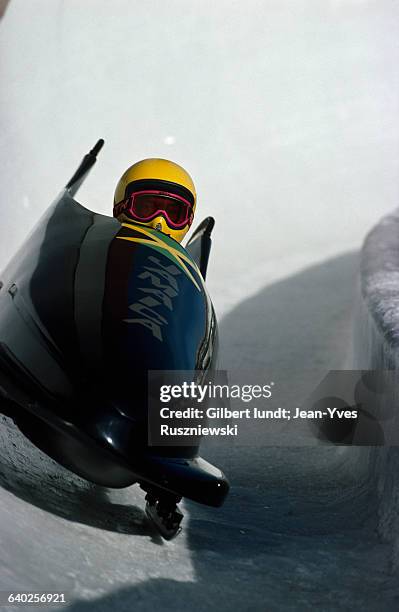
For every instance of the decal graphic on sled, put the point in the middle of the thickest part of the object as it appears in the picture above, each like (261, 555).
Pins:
(166, 248)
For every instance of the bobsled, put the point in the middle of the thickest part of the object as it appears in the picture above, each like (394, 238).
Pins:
(88, 306)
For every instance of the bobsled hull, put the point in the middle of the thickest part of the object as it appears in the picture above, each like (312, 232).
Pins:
(87, 307)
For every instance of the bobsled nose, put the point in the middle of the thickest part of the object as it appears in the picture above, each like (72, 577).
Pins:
(193, 478)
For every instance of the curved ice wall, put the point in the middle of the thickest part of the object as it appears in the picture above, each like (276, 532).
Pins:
(376, 347)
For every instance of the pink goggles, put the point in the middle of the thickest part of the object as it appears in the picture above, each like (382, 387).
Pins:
(146, 205)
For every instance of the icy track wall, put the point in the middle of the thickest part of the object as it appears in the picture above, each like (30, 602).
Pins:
(376, 347)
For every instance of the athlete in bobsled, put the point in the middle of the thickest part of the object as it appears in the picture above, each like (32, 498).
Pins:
(157, 193)
(88, 306)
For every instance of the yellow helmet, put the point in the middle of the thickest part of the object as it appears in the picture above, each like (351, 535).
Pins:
(157, 193)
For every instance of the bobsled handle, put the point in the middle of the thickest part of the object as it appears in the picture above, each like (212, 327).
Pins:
(199, 245)
(87, 163)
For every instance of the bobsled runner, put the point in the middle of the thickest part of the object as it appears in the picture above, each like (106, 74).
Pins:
(87, 307)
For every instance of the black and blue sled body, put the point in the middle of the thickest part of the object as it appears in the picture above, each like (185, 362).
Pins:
(88, 306)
